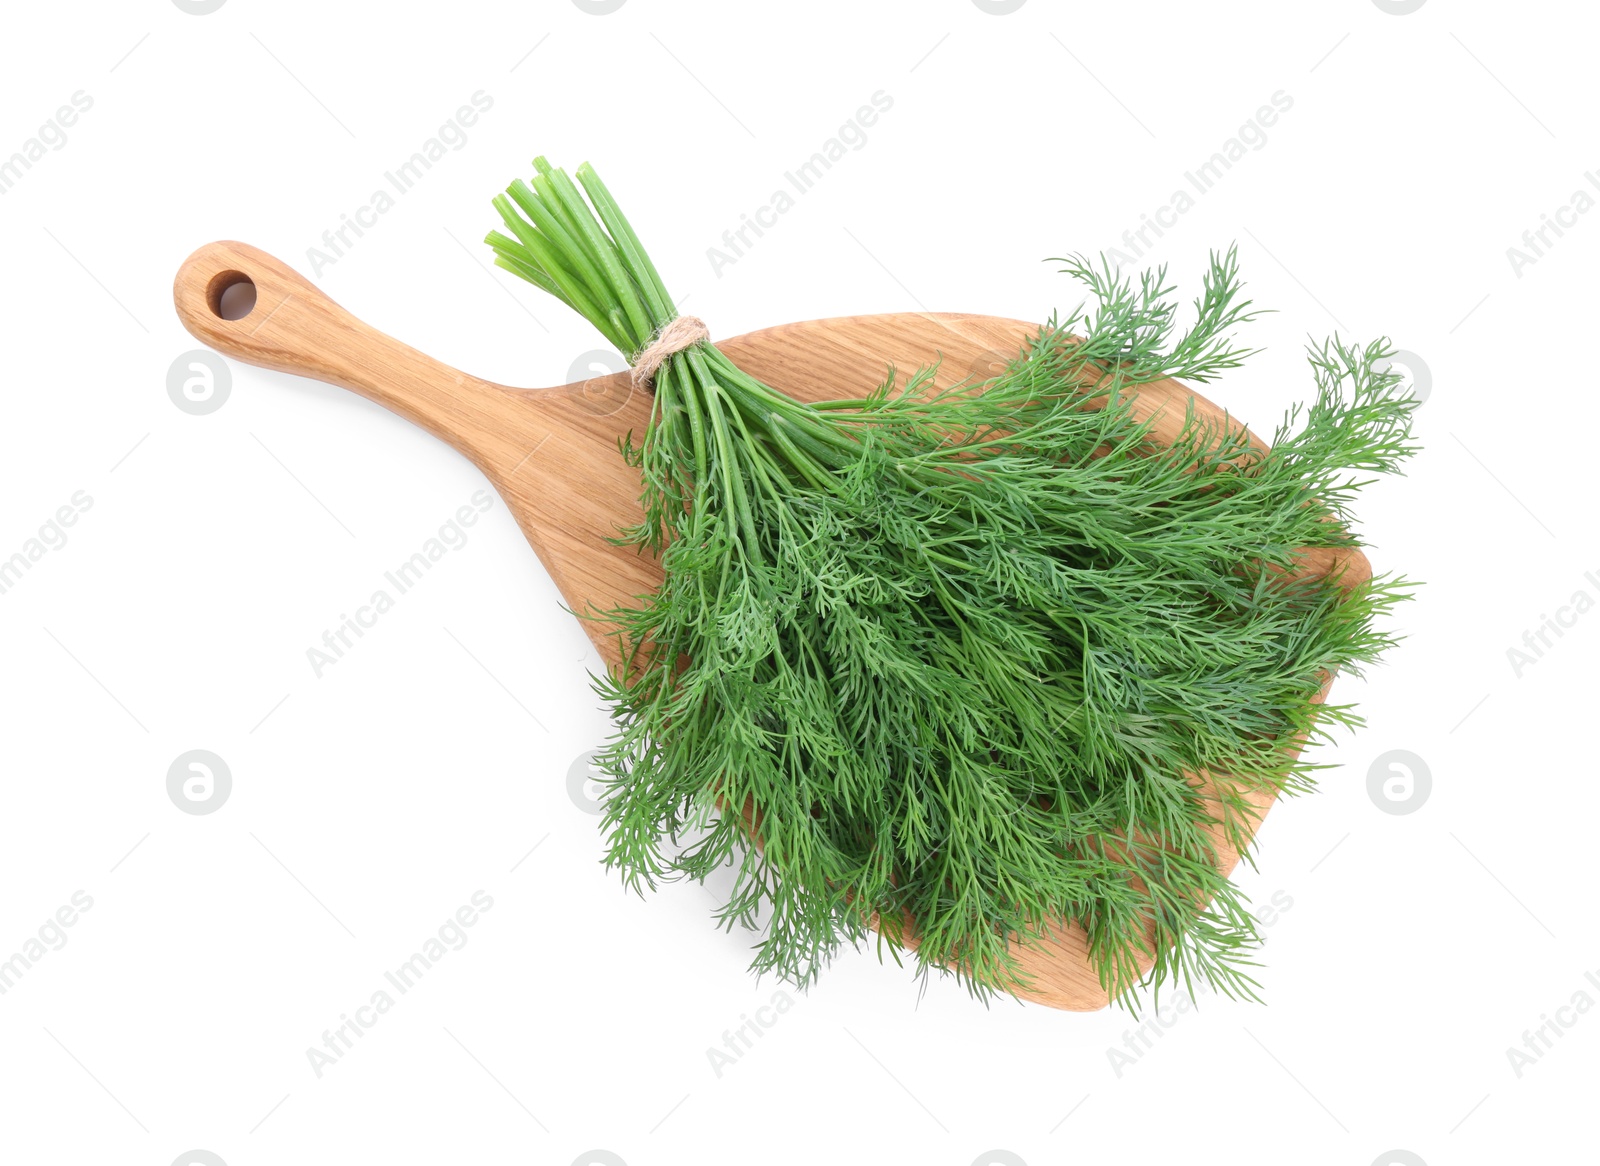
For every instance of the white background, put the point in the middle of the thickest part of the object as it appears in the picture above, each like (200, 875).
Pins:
(429, 763)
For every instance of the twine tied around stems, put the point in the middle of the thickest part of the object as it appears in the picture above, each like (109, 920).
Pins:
(678, 334)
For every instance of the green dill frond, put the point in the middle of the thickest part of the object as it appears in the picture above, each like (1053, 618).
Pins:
(954, 657)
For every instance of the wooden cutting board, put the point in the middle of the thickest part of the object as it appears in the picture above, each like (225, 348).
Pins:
(552, 453)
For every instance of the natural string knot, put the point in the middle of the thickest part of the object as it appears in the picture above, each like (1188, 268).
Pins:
(678, 334)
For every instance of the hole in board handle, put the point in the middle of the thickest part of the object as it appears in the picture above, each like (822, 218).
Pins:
(231, 295)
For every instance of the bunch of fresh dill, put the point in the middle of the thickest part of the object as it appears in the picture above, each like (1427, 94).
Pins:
(946, 663)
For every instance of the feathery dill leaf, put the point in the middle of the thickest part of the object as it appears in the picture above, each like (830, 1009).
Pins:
(954, 656)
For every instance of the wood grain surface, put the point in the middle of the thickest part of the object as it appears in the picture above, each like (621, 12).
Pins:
(552, 453)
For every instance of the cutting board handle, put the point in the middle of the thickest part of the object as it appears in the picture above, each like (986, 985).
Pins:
(295, 328)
